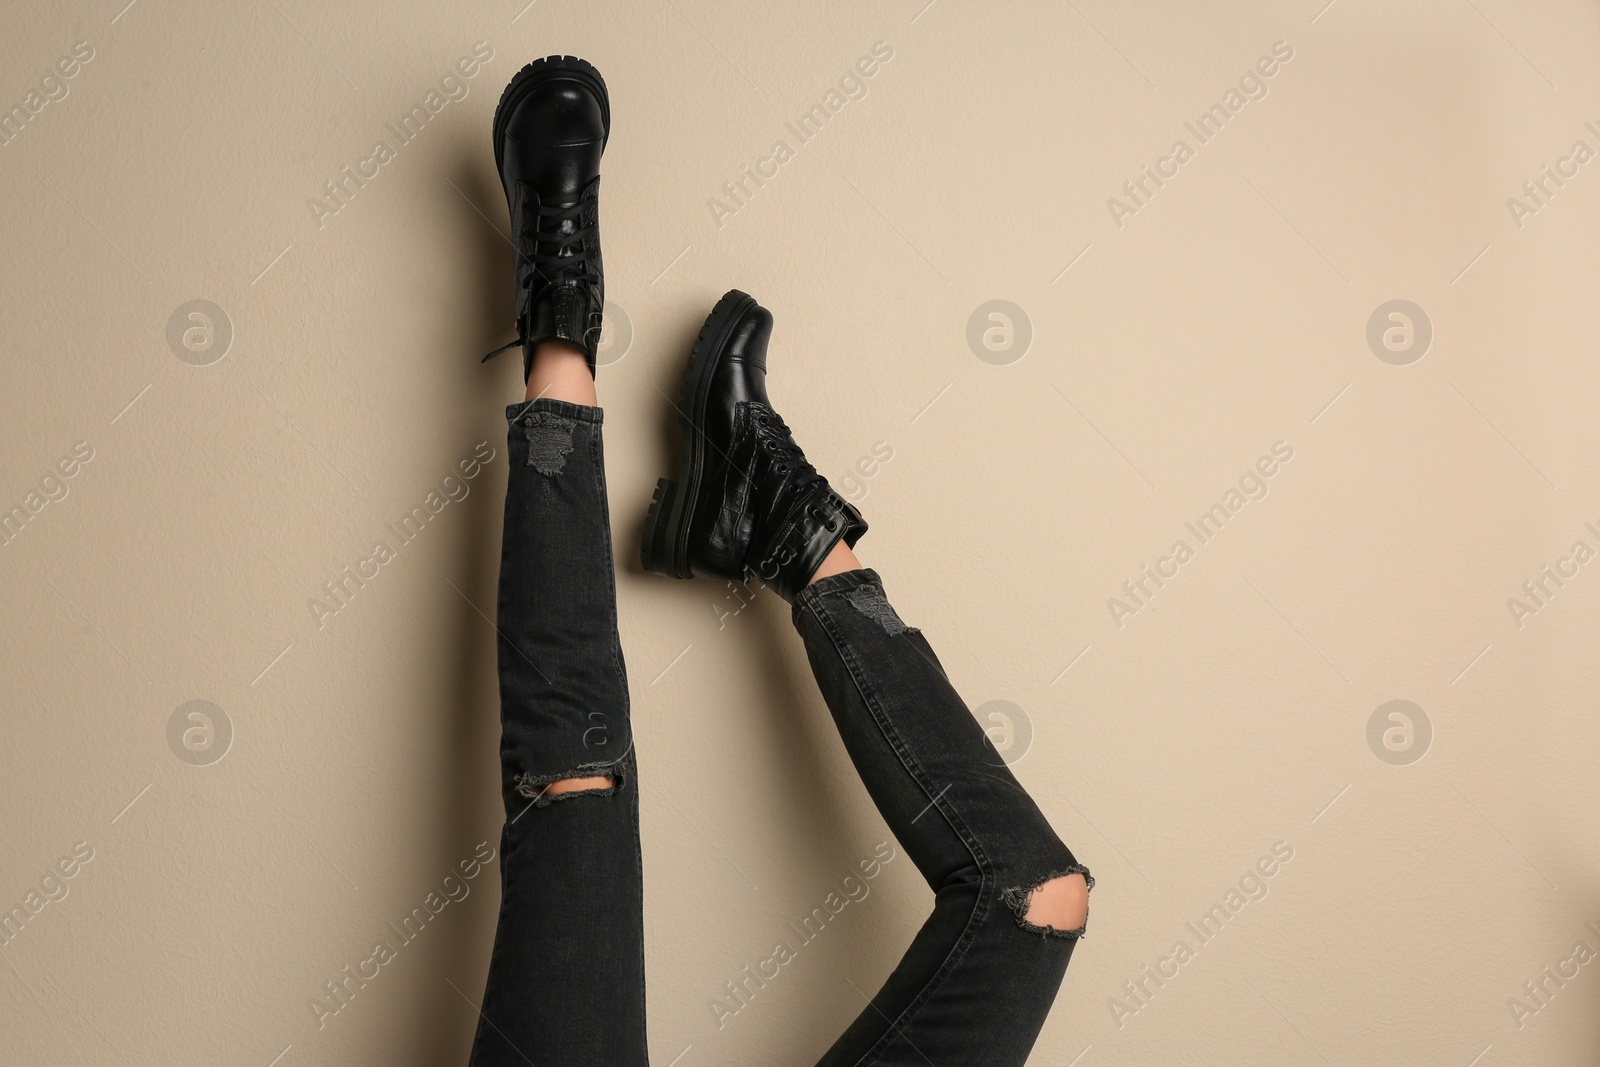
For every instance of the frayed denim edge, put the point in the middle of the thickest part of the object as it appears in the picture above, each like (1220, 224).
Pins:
(534, 787)
(1018, 900)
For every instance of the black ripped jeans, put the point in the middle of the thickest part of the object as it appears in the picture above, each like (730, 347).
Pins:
(566, 982)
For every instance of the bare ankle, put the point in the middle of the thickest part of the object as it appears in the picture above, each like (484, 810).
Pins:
(560, 372)
(839, 560)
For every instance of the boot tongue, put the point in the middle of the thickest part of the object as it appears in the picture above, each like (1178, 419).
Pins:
(550, 246)
(545, 228)
(547, 232)
(564, 195)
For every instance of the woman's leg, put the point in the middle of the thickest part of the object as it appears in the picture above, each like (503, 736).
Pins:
(566, 981)
(1010, 900)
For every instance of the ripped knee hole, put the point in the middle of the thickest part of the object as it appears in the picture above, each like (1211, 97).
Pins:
(579, 785)
(1058, 906)
(543, 792)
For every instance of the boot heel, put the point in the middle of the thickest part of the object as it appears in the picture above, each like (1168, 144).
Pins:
(657, 551)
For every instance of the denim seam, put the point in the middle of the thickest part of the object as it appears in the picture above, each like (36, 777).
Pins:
(638, 866)
(484, 1006)
(597, 464)
(980, 910)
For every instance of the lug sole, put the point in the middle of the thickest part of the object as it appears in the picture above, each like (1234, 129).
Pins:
(665, 547)
(656, 550)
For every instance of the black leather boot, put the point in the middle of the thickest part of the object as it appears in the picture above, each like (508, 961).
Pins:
(747, 505)
(549, 132)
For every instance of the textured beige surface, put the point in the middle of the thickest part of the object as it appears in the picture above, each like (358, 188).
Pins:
(1174, 342)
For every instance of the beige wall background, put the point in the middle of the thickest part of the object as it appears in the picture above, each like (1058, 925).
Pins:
(1440, 904)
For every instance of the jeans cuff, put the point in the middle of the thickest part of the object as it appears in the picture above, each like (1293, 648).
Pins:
(834, 583)
(565, 408)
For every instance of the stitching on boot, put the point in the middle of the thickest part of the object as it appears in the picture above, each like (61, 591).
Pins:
(549, 441)
(870, 601)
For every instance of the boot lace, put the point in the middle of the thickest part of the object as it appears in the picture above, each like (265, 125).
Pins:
(777, 439)
(571, 254)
